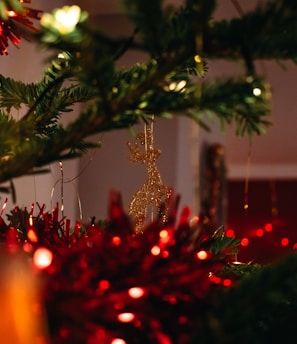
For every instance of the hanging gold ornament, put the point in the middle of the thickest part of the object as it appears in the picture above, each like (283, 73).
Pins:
(153, 193)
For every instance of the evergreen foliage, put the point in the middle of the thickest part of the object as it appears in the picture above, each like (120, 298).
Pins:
(178, 43)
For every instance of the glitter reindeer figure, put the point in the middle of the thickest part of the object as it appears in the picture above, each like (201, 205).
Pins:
(153, 194)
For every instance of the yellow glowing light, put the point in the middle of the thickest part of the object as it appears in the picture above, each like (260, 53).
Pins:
(126, 317)
(172, 86)
(177, 87)
(181, 85)
(64, 19)
(163, 234)
(42, 258)
(257, 92)
(136, 292)
(197, 59)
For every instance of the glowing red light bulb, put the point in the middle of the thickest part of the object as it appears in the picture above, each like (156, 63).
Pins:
(285, 242)
(244, 242)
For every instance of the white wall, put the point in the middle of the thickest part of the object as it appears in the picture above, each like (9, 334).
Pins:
(26, 64)
(273, 155)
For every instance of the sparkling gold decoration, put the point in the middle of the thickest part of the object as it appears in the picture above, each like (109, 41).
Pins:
(153, 193)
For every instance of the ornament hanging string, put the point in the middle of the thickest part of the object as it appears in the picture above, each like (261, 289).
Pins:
(247, 177)
(62, 181)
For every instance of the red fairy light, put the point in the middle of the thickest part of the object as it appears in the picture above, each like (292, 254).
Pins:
(215, 279)
(230, 233)
(32, 236)
(227, 282)
(268, 227)
(116, 241)
(260, 232)
(103, 285)
(285, 242)
(244, 242)
(12, 240)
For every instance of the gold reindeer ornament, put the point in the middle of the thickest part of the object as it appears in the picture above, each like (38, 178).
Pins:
(153, 194)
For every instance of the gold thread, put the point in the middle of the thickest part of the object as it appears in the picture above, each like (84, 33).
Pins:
(247, 178)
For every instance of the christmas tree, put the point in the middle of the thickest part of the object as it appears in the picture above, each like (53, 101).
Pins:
(176, 279)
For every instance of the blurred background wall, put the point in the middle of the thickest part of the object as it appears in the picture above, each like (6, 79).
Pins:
(89, 179)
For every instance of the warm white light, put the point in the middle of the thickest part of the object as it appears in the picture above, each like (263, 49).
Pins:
(31, 220)
(42, 258)
(177, 87)
(257, 91)
(181, 85)
(118, 341)
(202, 255)
(155, 251)
(11, 14)
(163, 233)
(126, 317)
(136, 292)
(64, 19)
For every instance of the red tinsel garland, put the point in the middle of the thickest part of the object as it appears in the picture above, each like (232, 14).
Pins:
(13, 27)
(108, 285)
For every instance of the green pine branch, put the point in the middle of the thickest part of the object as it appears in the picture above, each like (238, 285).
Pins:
(260, 309)
(171, 81)
(267, 32)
